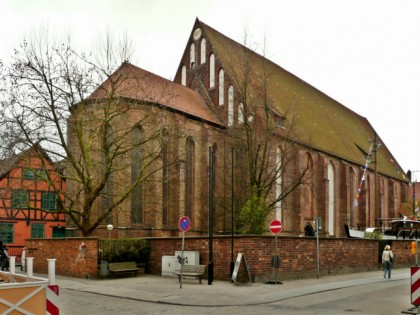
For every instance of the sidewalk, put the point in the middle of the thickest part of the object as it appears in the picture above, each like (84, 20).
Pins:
(152, 288)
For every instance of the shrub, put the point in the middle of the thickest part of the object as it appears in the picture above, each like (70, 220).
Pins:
(375, 235)
(117, 250)
(253, 215)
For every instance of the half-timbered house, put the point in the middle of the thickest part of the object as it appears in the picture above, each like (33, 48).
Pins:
(30, 186)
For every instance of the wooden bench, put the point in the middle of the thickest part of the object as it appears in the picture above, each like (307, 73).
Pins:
(123, 267)
(196, 271)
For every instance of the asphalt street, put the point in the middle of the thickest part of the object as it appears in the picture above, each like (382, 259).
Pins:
(358, 293)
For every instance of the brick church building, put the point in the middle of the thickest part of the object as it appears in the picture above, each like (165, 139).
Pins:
(259, 131)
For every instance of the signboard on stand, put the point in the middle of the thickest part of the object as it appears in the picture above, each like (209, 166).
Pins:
(236, 268)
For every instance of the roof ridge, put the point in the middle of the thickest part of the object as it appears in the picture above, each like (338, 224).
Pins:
(276, 65)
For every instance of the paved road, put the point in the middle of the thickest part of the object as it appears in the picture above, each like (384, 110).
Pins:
(365, 293)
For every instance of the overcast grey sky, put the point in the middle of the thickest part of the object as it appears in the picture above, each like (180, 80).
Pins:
(363, 53)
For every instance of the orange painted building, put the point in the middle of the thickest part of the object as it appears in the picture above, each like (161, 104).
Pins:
(30, 198)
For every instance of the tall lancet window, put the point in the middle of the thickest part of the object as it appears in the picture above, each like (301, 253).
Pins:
(331, 201)
(221, 87)
(165, 178)
(279, 172)
(192, 55)
(189, 177)
(212, 71)
(241, 113)
(203, 51)
(184, 75)
(230, 106)
(136, 173)
(107, 171)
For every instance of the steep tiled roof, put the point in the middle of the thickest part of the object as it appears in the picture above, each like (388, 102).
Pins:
(8, 164)
(141, 85)
(324, 123)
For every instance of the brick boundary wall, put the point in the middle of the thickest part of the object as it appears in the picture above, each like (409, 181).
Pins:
(70, 261)
(298, 255)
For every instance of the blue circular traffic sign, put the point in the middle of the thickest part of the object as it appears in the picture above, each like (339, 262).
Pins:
(184, 223)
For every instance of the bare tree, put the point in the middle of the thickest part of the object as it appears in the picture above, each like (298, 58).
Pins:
(266, 140)
(56, 97)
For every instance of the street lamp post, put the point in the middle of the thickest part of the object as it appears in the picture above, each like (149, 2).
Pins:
(109, 227)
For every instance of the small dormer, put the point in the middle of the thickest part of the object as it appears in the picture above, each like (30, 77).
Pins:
(278, 119)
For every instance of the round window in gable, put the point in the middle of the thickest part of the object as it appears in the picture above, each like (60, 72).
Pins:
(197, 33)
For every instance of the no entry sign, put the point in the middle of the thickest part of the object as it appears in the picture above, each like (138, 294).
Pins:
(275, 226)
(184, 224)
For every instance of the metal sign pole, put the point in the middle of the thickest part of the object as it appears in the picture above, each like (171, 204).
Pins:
(182, 259)
(317, 244)
(275, 255)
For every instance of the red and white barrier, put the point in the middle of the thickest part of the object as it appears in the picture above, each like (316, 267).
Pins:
(52, 293)
(52, 300)
(415, 285)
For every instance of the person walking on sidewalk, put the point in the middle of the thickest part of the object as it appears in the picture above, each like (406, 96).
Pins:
(5, 259)
(387, 258)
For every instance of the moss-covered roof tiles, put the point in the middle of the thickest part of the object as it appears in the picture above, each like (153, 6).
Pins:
(325, 124)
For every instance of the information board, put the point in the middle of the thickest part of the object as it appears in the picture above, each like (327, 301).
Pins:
(237, 265)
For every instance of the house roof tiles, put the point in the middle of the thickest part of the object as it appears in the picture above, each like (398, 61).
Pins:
(325, 124)
(141, 85)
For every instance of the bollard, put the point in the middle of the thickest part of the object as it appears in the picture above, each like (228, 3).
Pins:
(51, 270)
(12, 264)
(29, 267)
(52, 293)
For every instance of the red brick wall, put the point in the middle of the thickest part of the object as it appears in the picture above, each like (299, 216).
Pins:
(298, 255)
(70, 261)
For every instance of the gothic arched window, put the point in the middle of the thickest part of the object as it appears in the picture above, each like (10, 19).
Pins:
(136, 172)
(192, 55)
(241, 113)
(189, 177)
(165, 178)
(212, 71)
(230, 106)
(203, 51)
(184, 75)
(221, 87)
(107, 172)
(331, 200)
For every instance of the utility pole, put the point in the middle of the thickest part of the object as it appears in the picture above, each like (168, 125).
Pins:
(211, 218)
(232, 263)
